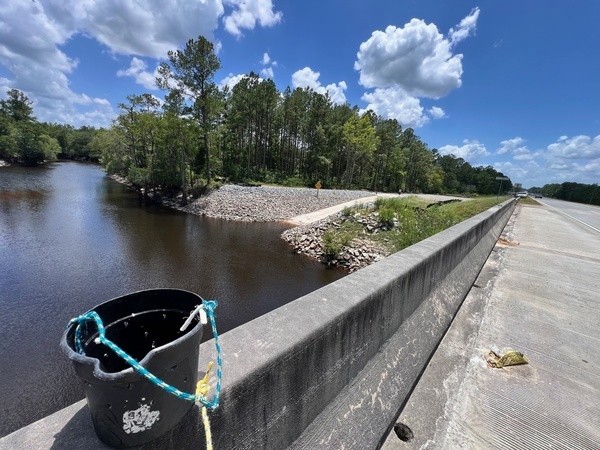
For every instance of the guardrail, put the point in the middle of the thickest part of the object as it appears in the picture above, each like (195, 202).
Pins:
(331, 369)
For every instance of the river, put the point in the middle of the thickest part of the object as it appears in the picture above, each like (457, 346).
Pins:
(71, 238)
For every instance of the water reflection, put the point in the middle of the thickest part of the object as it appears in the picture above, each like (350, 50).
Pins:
(70, 238)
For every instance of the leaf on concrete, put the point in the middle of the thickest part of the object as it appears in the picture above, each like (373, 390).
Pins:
(509, 358)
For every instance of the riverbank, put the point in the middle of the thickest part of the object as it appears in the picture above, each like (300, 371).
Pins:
(302, 206)
(356, 254)
(265, 203)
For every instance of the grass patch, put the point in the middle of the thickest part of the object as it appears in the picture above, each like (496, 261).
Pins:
(416, 224)
(529, 201)
(335, 239)
(397, 223)
(400, 203)
(347, 211)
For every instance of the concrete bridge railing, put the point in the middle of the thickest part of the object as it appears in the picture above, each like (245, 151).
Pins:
(331, 369)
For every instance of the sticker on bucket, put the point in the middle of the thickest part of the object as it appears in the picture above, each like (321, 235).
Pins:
(140, 419)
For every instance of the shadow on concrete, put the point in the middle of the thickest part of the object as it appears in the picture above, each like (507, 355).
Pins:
(78, 433)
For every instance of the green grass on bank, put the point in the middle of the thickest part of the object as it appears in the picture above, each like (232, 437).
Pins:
(529, 201)
(397, 223)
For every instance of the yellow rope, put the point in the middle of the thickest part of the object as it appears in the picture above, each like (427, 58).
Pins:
(207, 429)
(202, 389)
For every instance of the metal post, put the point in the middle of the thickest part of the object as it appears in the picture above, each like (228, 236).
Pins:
(500, 187)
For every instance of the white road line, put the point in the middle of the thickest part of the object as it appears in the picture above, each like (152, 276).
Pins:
(570, 217)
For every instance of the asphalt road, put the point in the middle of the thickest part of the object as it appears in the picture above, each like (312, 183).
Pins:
(586, 214)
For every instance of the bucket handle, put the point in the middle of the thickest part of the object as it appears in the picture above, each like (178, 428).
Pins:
(188, 321)
(206, 308)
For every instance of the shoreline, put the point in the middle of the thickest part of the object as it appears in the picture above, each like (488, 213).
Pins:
(265, 203)
(261, 203)
(307, 212)
(307, 240)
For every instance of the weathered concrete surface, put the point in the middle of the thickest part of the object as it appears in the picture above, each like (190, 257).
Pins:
(538, 294)
(331, 369)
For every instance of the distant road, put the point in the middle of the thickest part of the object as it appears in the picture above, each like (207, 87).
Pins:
(588, 215)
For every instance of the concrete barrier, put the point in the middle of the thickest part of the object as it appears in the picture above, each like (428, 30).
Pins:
(331, 369)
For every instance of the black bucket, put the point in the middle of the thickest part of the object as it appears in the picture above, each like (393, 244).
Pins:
(127, 409)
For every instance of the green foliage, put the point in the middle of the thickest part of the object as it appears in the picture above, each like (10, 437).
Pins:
(73, 142)
(17, 106)
(387, 216)
(417, 222)
(49, 146)
(191, 71)
(335, 240)
(110, 147)
(249, 128)
(401, 203)
(8, 139)
(293, 182)
(574, 192)
(139, 176)
(360, 142)
(379, 202)
(460, 177)
(22, 138)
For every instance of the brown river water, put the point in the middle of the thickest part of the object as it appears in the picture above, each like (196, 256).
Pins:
(71, 238)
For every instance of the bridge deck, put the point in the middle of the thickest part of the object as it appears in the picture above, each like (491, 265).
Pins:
(538, 294)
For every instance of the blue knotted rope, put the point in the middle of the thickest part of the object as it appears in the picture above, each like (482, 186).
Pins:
(208, 306)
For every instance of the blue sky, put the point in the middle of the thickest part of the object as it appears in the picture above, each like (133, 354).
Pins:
(512, 84)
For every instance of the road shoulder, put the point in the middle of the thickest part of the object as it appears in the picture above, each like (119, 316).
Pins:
(537, 294)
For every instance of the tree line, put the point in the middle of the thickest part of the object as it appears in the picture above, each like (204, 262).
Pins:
(24, 140)
(255, 133)
(574, 192)
(201, 133)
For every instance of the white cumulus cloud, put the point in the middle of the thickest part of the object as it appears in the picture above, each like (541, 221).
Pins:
(416, 58)
(516, 148)
(574, 158)
(248, 13)
(32, 34)
(231, 80)
(138, 71)
(136, 27)
(394, 103)
(267, 72)
(470, 151)
(512, 146)
(410, 62)
(465, 28)
(436, 112)
(308, 78)
(577, 147)
(520, 173)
